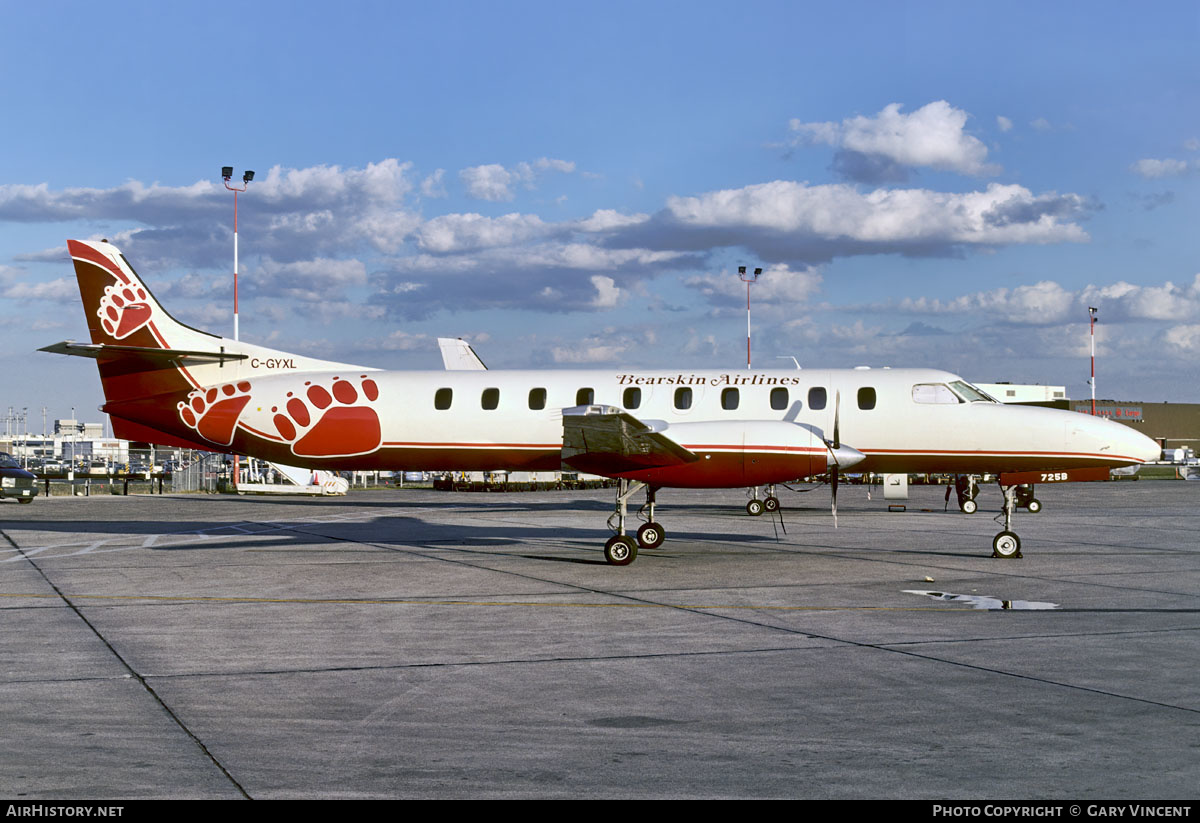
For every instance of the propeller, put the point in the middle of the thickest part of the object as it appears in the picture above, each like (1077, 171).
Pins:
(840, 457)
(833, 447)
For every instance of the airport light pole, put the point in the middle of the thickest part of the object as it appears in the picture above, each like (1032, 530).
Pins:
(748, 280)
(226, 175)
(1092, 330)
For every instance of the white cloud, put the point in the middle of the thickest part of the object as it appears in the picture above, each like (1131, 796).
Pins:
(1004, 123)
(490, 182)
(61, 290)
(591, 350)
(319, 280)
(844, 216)
(495, 182)
(462, 232)
(1153, 169)
(778, 286)
(932, 136)
(608, 219)
(1049, 303)
(1183, 339)
(1040, 303)
(433, 186)
(607, 292)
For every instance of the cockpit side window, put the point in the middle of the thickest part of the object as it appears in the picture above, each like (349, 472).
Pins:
(938, 393)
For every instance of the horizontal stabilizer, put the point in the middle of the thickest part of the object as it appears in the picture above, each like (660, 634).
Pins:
(104, 351)
(607, 440)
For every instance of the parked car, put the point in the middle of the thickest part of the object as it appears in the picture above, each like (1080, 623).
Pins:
(15, 481)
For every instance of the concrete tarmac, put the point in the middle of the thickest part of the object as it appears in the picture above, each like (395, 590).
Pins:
(416, 643)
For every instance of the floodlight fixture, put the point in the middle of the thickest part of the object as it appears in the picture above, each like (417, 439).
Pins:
(247, 177)
(226, 172)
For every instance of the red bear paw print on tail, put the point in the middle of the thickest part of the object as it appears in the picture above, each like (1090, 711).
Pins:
(123, 310)
(338, 421)
(214, 412)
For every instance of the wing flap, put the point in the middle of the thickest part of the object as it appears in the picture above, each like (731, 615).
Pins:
(607, 440)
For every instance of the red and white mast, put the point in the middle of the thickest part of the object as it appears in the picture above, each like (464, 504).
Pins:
(1092, 328)
(748, 281)
(226, 174)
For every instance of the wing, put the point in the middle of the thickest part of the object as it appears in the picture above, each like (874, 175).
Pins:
(606, 440)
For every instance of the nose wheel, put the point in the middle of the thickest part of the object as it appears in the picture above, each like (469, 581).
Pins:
(1006, 544)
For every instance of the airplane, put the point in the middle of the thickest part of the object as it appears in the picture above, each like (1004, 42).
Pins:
(168, 383)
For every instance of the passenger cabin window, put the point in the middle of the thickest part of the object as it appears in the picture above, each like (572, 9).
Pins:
(490, 399)
(537, 399)
(683, 398)
(632, 398)
(779, 399)
(866, 398)
(934, 393)
(585, 397)
(443, 398)
(817, 398)
(730, 399)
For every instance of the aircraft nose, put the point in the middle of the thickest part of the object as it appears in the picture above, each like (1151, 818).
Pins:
(1123, 443)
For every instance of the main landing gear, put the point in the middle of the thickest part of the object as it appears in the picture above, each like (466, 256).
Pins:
(967, 489)
(1006, 544)
(770, 503)
(1026, 500)
(621, 549)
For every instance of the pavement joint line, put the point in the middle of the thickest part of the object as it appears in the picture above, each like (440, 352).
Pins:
(490, 603)
(133, 672)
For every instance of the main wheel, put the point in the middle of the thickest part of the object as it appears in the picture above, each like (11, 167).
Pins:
(1006, 544)
(755, 507)
(1034, 506)
(969, 506)
(771, 504)
(651, 536)
(620, 550)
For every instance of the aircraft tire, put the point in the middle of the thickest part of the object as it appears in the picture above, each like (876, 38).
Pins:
(1006, 545)
(771, 504)
(651, 536)
(969, 506)
(755, 507)
(620, 550)
(1034, 506)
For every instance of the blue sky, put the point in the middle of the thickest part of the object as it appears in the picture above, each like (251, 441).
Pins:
(568, 184)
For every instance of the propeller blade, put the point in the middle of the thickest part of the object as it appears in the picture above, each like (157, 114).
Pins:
(833, 478)
(837, 410)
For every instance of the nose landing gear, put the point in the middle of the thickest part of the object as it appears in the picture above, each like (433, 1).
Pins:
(1007, 544)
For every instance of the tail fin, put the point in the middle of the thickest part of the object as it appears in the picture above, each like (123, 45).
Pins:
(149, 362)
(122, 313)
(118, 306)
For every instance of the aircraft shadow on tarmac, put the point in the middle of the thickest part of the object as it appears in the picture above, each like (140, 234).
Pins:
(385, 532)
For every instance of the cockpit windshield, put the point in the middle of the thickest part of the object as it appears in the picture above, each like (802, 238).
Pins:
(972, 394)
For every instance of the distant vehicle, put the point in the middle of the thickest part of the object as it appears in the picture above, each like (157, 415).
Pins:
(15, 481)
